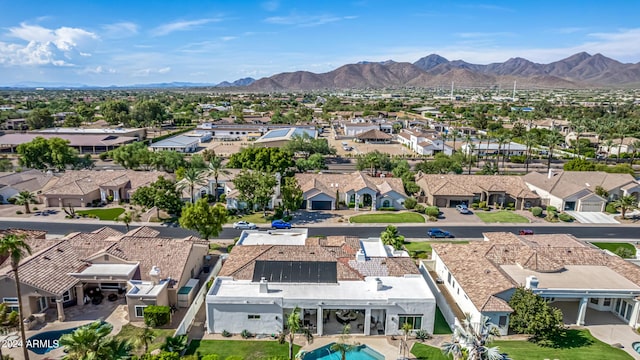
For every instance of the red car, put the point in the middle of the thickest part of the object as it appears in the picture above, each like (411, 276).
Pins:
(525, 232)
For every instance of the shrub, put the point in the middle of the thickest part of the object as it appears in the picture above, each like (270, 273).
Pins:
(35, 208)
(551, 208)
(19, 212)
(12, 200)
(518, 159)
(225, 333)
(432, 211)
(482, 204)
(155, 315)
(410, 203)
(419, 208)
(422, 335)
(388, 208)
(222, 198)
(611, 209)
(211, 357)
(474, 205)
(511, 205)
(565, 217)
(246, 334)
(536, 211)
(433, 218)
(625, 253)
(551, 215)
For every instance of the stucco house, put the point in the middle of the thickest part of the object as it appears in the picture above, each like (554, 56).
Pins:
(627, 145)
(138, 266)
(78, 188)
(445, 190)
(334, 281)
(576, 190)
(576, 277)
(324, 191)
(30, 180)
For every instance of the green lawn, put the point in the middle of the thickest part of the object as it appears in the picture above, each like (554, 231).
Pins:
(576, 345)
(388, 218)
(502, 216)
(244, 349)
(131, 333)
(103, 214)
(255, 218)
(422, 249)
(440, 326)
(613, 246)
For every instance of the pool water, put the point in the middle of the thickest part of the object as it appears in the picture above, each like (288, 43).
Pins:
(362, 352)
(636, 346)
(46, 341)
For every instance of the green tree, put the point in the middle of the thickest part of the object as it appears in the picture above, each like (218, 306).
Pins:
(128, 217)
(626, 203)
(41, 153)
(60, 153)
(168, 160)
(344, 343)
(145, 338)
(207, 220)
(192, 177)
(534, 316)
(92, 341)
(149, 112)
(39, 118)
(256, 188)
(72, 120)
(625, 253)
(306, 146)
(441, 164)
(552, 139)
(16, 248)
(291, 194)
(374, 161)
(25, 198)
(391, 237)
(472, 340)
(293, 326)
(116, 112)
(313, 162)
(162, 194)
(262, 159)
(216, 168)
(175, 343)
(401, 169)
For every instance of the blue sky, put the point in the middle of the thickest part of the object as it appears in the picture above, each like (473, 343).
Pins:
(113, 42)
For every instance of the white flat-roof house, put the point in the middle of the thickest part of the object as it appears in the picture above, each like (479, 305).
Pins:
(576, 277)
(180, 143)
(335, 281)
(484, 149)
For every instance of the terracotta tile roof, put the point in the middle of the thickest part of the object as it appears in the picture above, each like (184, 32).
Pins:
(81, 182)
(495, 304)
(34, 238)
(374, 134)
(107, 231)
(329, 183)
(566, 183)
(143, 231)
(468, 185)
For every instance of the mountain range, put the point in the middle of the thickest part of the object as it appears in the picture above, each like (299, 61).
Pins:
(49, 85)
(581, 70)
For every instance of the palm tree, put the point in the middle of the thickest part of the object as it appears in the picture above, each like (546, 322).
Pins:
(622, 128)
(404, 347)
(216, 168)
(470, 147)
(579, 126)
(145, 337)
(609, 144)
(472, 339)
(129, 217)
(344, 344)
(529, 141)
(293, 326)
(636, 147)
(175, 343)
(501, 140)
(193, 177)
(15, 247)
(626, 203)
(551, 140)
(92, 341)
(25, 198)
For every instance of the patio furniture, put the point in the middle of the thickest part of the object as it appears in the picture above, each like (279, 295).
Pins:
(345, 317)
(112, 297)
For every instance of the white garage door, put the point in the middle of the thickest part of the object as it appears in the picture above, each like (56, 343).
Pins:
(591, 207)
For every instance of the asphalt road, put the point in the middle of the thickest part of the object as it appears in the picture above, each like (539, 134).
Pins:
(413, 232)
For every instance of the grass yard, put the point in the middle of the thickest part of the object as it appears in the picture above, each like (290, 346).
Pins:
(241, 348)
(255, 218)
(131, 333)
(103, 214)
(613, 246)
(440, 327)
(502, 216)
(576, 345)
(422, 249)
(387, 218)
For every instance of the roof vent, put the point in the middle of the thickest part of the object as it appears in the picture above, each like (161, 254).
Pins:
(264, 286)
(360, 256)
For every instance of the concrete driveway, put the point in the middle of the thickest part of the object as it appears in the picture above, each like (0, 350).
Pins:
(593, 217)
(451, 215)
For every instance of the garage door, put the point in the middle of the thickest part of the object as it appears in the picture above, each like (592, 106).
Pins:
(321, 205)
(441, 202)
(304, 204)
(591, 207)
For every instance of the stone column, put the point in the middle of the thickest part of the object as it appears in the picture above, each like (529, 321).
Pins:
(60, 203)
(582, 310)
(320, 321)
(367, 321)
(357, 204)
(633, 321)
(116, 195)
(103, 195)
(374, 204)
(80, 294)
(60, 309)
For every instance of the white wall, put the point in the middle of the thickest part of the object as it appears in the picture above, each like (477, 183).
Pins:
(553, 200)
(235, 317)
(465, 304)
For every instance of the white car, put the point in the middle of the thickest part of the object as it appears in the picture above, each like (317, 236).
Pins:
(244, 225)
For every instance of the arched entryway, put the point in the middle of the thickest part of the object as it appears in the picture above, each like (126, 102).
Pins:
(366, 200)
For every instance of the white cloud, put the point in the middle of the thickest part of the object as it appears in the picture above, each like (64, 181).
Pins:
(120, 29)
(306, 20)
(168, 28)
(150, 71)
(58, 47)
(272, 5)
(97, 70)
(228, 38)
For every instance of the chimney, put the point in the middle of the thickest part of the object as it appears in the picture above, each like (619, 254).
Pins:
(264, 286)
(531, 282)
(379, 285)
(360, 256)
(155, 274)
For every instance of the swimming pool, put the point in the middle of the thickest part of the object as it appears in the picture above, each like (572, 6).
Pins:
(42, 343)
(362, 352)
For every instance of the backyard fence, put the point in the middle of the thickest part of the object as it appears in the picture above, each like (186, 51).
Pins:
(442, 303)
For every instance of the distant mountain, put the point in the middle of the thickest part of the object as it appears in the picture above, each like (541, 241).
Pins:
(240, 82)
(577, 71)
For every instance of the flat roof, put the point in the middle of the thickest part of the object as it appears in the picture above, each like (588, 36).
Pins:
(109, 270)
(140, 288)
(295, 271)
(408, 287)
(274, 237)
(88, 131)
(373, 247)
(74, 139)
(593, 277)
(179, 140)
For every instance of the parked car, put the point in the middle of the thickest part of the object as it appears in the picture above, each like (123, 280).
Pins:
(525, 232)
(244, 225)
(280, 224)
(439, 233)
(463, 209)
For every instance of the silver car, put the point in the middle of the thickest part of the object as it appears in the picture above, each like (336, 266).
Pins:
(244, 225)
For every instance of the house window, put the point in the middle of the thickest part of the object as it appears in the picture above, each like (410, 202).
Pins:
(449, 278)
(607, 302)
(386, 203)
(253, 317)
(618, 305)
(12, 303)
(140, 310)
(414, 320)
(66, 296)
(594, 301)
(110, 286)
(502, 321)
(42, 304)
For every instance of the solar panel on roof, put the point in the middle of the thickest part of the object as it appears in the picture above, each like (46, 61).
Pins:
(296, 271)
(276, 133)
